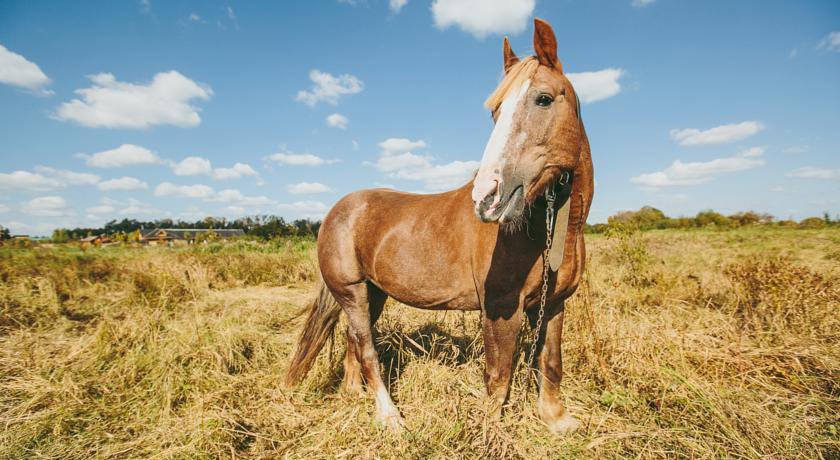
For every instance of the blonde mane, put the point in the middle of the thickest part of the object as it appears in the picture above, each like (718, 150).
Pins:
(514, 79)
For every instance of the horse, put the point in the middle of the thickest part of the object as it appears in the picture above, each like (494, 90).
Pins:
(479, 247)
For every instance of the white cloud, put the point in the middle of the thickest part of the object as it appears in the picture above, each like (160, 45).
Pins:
(68, 177)
(337, 120)
(830, 42)
(396, 145)
(48, 206)
(45, 179)
(233, 197)
(440, 177)
(328, 88)
(124, 155)
(718, 135)
(596, 86)
(3, 208)
(483, 17)
(751, 152)
(642, 3)
(24, 180)
(307, 188)
(194, 17)
(795, 149)
(198, 166)
(396, 5)
(16, 70)
(239, 199)
(109, 103)
(397, 161)
(285, 157)
(184, 191)
(391, 163)
(811, 172)
(192, 166)
(695, 173)
(238, 171)
(123, 183)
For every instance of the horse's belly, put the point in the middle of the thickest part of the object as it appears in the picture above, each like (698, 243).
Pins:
(431, 295)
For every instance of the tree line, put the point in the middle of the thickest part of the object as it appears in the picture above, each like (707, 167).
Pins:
(650, 218)
(264, 227)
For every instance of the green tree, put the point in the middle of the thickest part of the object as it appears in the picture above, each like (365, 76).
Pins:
(711, 218)
(4, 233)
(646, 218)
(59, 235)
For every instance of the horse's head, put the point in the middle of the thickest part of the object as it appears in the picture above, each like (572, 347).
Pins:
(538, 133)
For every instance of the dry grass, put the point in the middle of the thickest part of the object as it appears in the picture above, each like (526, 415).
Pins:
(678, 344)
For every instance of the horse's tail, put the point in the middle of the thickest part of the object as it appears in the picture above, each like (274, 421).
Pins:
(319, 326)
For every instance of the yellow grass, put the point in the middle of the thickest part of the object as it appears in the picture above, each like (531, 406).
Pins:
(678, 344)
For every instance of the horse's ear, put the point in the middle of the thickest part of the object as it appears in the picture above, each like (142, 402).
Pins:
(546, 45)
(509, 55)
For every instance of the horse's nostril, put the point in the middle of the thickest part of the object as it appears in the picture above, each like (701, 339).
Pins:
(488, 201)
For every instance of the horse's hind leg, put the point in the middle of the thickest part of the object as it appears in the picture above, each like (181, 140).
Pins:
(354, 300)
(550, 404)
(352, 383)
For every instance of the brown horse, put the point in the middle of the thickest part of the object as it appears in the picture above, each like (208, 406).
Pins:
(480, 247)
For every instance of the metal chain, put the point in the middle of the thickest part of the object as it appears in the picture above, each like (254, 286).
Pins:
(549, 227)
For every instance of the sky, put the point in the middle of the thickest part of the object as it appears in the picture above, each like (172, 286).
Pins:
(183, 109)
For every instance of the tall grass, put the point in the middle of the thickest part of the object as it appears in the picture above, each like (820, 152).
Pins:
(695, 344)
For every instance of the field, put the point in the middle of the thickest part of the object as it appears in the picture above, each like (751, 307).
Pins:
(678, 344)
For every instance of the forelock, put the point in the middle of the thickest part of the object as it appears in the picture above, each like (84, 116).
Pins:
(514, 79)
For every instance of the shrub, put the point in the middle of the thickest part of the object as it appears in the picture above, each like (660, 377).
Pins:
(777, 296)
(813, 223)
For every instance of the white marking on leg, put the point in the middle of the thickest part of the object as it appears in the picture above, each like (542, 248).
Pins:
(386, 412)
(491, 162)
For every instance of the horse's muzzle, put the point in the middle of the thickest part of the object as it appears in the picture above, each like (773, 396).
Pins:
(492, 208)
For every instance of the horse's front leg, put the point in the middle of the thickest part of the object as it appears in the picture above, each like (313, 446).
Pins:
(500, 336)
(550, 405)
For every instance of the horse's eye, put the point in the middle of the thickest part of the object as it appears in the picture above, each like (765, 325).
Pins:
(544, 100)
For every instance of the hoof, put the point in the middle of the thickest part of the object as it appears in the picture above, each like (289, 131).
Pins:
(563, 425)
(391, 422)
(352, 389)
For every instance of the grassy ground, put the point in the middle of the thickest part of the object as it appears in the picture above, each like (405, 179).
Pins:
(687, 344)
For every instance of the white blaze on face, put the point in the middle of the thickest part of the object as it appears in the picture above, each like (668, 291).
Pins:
(489, 177)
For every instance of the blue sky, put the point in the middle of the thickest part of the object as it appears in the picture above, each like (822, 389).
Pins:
(183, 109)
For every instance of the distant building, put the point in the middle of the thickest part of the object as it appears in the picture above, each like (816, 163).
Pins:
(184, 235)
(95, 239)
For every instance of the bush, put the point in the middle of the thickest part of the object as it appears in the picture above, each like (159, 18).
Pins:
(777, 297)
(813, 223)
